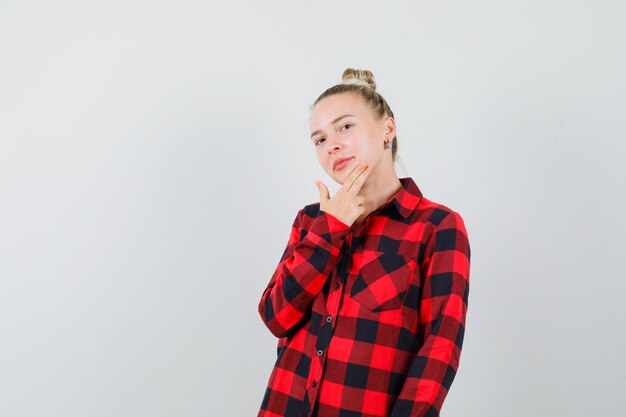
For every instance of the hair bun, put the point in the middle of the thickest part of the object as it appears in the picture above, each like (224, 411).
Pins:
(356, 76)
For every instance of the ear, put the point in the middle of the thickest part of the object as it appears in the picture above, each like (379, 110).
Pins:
(390, 127)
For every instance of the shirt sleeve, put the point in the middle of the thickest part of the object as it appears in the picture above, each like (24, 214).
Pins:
(307, 261)
(442, 310)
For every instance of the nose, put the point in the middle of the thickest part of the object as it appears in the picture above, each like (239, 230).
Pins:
(333, 144)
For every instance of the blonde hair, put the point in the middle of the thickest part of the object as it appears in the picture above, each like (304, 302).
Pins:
(362, 82)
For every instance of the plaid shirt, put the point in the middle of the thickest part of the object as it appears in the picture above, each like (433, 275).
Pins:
(369, 318)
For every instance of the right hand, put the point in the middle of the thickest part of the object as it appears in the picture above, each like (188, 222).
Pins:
(346, 205)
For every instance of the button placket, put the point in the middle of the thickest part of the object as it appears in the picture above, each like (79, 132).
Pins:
(332, 312)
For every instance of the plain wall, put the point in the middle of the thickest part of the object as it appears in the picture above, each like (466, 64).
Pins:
(153, 156)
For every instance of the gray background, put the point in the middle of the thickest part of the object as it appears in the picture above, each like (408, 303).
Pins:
(153, 156)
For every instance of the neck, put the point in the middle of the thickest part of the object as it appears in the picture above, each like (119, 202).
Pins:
(377, 190)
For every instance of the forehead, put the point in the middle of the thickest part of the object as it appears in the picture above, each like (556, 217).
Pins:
(329, 108)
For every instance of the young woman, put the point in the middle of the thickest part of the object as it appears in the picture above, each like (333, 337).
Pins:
(369, 299)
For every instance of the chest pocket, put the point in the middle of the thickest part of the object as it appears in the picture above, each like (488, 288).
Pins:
(382, 282)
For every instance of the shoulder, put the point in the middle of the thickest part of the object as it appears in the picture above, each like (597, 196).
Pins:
(436, 213)
(439, 215)
(447, 227)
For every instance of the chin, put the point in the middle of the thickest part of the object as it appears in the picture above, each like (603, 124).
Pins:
(337, 178)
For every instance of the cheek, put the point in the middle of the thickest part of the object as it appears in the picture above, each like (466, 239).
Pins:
(369, 154)
(322, 157)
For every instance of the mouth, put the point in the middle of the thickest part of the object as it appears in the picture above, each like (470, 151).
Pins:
(341, 163)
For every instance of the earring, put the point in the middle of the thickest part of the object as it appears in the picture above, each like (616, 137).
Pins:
(387, 145)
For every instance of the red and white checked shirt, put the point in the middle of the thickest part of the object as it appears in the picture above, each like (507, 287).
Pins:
(369, 318)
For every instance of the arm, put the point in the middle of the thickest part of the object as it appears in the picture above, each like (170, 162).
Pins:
(442, 310)
(306, 263)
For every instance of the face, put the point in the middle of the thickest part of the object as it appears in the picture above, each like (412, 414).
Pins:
(342, 126)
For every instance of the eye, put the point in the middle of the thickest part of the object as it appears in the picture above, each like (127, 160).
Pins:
(347, 124)
(317, 141)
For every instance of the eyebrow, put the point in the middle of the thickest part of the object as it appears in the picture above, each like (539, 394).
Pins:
(332, 123)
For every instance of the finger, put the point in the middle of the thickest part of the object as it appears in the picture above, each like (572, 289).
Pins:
(360, 180)
(353, 176)
(324, 194)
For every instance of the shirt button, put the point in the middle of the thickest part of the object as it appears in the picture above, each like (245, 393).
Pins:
(346, 251)
(319, 352)
(336, 285)
(314, 383)
(329, 319)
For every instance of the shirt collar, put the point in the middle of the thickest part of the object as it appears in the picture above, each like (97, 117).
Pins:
(406, 199)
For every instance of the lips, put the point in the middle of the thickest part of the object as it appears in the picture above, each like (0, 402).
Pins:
(340, 161)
